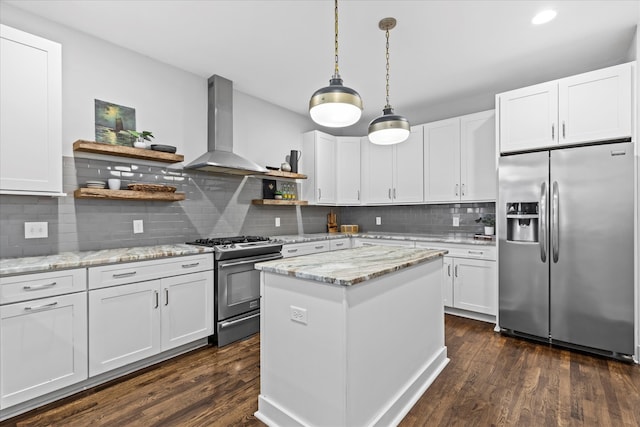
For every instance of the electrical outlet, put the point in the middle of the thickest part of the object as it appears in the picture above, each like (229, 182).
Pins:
(456, 221)
(298, 314)
(277, 222)
(36, 230)
(378, 220)
(138, 226)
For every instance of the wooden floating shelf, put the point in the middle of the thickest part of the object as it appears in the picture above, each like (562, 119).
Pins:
(273, 202)
(122, 151)
(105, 194)
(283, 174)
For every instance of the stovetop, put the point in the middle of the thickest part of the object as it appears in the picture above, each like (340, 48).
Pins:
(216, 241)
(239, 246)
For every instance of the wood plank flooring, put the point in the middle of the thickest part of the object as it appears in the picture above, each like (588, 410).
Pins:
(491, 380)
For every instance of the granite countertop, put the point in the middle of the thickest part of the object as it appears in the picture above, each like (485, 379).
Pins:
(66, 260)
(459, 238)
(350, 266)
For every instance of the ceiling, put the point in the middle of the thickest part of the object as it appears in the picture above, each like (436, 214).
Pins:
(447, 57)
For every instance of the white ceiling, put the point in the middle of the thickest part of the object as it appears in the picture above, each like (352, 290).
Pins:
(447, 57)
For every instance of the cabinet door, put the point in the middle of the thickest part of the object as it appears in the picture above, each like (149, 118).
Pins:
(442, 161)
(447, 281)
(348, 170)
(478, 178)
(124, 325)
(377, 172)
(474, 285)
(408, 181)
(30, 113)
(528, 117)
(187, 310)
(326, 169)
(43, 346)
(596, 106)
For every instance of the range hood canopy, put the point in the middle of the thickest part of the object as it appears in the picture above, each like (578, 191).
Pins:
(220, 156)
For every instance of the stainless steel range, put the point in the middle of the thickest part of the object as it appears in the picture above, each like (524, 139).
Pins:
(237, 284)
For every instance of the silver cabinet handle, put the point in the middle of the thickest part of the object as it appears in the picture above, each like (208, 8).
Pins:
(36, 287)
(564, 136)
(193, 264)
(319, 193)
(394, 193)
(292, 251)
(339, 244)
(555, 221)
(457, 186)
(157, 299)
(233, 322)
(358, 192)
(166, 296)
(449, 270)
(455, 271)
(543, 222)
(463, 189)
(41, 307)
(127, 274)
(553, 131)
(475, 252)
(319, 247)
(389, 193)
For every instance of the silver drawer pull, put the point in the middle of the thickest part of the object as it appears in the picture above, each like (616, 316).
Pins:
(41, 307)
(193, 264)
(291, 251)
(35, 287)
(235, 322)
(319, 247)
(339, 244)
(475, 252)
(127, 274)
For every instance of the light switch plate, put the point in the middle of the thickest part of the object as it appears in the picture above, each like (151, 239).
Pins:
(36, 230)
(138, 226)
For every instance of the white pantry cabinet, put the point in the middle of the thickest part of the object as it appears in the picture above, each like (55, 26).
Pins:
(131, 321)
(469, 279)
(393, 174)
(588, 107)
(348, 170)
(30, 114)
(318, 162)
(43, 334)
(459, 159)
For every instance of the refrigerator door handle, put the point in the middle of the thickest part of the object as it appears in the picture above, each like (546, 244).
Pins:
(543, 222)
(555, 217)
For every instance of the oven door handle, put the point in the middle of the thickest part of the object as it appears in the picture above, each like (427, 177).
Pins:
(249, 261)
(233, 322)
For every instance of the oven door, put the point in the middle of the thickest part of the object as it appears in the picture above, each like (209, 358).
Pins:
(238, 285)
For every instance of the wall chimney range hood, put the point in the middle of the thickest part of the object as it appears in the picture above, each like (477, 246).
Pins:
(220, 156)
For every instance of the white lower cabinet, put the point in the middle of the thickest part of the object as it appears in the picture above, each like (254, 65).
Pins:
(43, 341)
(359, 242)
(305, 248)
(130, 322)
(337, 244)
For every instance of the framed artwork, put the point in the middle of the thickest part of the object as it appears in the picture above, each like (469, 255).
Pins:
(111, 119)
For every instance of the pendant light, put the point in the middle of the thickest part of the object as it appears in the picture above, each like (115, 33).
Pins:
(389, 128)
(335, 105)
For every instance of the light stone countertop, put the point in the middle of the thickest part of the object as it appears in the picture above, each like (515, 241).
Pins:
(350, 266)
(65, 260)
(458, 238)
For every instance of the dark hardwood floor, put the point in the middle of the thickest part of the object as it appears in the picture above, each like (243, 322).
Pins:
(491, 380)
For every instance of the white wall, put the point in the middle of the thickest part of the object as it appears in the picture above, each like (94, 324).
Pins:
(170, 102)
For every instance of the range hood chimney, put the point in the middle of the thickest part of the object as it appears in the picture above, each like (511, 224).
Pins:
(220, 157)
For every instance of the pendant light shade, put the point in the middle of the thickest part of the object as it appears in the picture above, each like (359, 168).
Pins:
(389, 128)
(335, 105)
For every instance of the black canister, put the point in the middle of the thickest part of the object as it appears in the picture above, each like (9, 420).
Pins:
(293, 160)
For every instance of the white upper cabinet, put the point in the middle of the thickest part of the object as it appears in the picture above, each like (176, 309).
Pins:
(348, 170)
(393, 173)
(318, 162)
(459, 159)
(588, 107)
(30, 114)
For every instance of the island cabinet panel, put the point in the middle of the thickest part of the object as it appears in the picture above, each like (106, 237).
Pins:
(43, 346)
(322, 343)
(30, 114)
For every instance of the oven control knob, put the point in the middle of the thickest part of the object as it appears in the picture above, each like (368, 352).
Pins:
(232, 246)
(224, 246)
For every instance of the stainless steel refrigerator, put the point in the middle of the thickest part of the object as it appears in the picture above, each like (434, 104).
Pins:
(566, 253)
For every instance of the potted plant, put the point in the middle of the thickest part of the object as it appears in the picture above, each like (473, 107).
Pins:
(277, 195)
(489, 224)
(140, 137)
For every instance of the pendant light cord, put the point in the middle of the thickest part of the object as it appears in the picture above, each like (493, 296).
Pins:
(336, 72)
(387, 58)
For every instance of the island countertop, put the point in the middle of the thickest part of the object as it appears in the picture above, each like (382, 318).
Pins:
(350, 266)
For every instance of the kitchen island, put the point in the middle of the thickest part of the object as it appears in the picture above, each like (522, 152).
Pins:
(351, 337)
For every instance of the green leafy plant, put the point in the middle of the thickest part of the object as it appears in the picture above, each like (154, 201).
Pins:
(145, 134)
(277, 193)
(488, 221)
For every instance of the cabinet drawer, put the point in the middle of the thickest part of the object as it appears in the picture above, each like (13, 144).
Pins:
(359, 242)
(338, 244)
(118, 274)
(307, 248)
(462, 251)
(38, 285)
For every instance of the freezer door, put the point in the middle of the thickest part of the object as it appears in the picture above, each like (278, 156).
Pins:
(523, 265)
(592, 247)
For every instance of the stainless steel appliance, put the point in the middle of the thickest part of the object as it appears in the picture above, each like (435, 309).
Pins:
(566, 248)
(237, 284)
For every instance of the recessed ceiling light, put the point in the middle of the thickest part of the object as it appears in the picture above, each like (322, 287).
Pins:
(543, 17)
